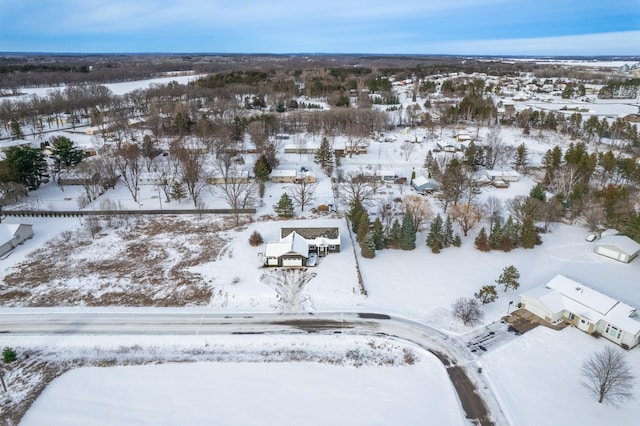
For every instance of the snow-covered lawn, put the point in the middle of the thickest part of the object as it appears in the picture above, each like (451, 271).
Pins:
(537, 378)
(248, 394)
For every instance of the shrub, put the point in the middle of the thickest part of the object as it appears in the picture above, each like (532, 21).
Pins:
(255, 239)
(9, 355)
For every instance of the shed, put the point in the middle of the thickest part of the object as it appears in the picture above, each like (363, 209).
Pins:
(618, 247)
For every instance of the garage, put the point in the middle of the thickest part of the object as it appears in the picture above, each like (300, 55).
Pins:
(292, 261)
(618, 247)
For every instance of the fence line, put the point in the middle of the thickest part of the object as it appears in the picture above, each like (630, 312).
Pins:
(77, 213)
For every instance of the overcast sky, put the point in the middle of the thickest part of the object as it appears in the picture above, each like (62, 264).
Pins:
(461, 27)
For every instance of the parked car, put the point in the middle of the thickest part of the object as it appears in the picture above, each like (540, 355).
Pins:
(591, 237)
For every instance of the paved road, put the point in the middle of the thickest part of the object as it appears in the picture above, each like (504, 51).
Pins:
(478, 403)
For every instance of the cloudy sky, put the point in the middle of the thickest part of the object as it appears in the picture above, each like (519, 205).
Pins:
(480, 27)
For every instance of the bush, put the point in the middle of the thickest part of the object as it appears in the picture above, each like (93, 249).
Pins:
(9, 355)
(255, 239)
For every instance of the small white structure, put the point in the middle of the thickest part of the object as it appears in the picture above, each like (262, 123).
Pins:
(503, 175)
(292, 250)
(284, 175)
(11, 235)
(564, 299)
(424, 184)
(618, 247)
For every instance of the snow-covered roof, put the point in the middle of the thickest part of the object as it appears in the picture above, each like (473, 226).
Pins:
(284, 173)
(620, 242)
(292, 243)
(591, 304)
(6, 233)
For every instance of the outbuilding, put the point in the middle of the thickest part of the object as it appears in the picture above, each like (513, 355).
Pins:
(618, 247)
(13, 234)
(423, 184)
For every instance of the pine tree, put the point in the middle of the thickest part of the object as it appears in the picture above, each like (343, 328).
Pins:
(368, 246)
(435, 238)
(378, 234)
(521, 157)
(482, 242)
(509, 278)
(505, 243)
(512, 229)
(457, 241)
(363, 226)
(262, 170)
(486, 294)
(448, 232)
(495, 237)
(325, 156)
(395, 235)
(177, 191)
(408, 233)
(529, 234)
(284, 208)
(354, 214)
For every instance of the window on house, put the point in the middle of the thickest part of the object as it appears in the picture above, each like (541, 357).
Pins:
(571, 316)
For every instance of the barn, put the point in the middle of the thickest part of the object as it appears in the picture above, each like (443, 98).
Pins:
(618, 247)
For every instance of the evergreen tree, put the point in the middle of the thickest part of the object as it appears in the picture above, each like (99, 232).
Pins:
(65, 153)
(521, 161)
(512, 229)
(429, 161)
(378, 234)
(505, 243)
(395, 234)
(284, 208)
(262, 169)
(486, 294)
(16, 130)
(482, 241)
(354, 214)
(26, 165)
(325, 156)
(363, 226)
(509, 278)
(495, 237)
(529, 234)
(435, 237)
(538, 192)
(368, 246)
(457, 241)
(177, 191)
(448, 232)
(408, 233)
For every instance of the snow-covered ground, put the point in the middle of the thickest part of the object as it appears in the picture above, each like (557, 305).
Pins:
(535, 375)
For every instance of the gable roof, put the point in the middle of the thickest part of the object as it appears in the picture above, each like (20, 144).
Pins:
(621, 243)
(6, 234)
(292, 244)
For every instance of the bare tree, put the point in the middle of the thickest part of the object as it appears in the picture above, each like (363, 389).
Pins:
(497, 153)
(406, 149)
(129, 165)
(420, 209)
(493, 210)
(608, 377)
(303, 193)
(467, 310)
(237, 190)
(357, 188)
(192, 170)
(467, 215)
(11, 192)
(565, 179)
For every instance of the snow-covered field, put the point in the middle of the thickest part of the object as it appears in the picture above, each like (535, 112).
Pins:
(535, 376)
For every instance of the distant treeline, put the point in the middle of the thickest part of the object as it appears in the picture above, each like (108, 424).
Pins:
(627, 89)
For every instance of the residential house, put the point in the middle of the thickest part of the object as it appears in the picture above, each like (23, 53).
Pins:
(11, 235)
(233, 176)
(299, 247)
(284, 176)
(618, 247)
(565, 300)
(504, 175)
(424, 185)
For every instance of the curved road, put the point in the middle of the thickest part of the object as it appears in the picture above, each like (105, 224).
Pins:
(479, 405)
